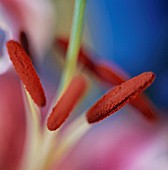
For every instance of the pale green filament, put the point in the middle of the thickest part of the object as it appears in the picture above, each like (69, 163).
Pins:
(41, 146)
(34, 136)
(71, 135)
(74, 44)
(73, 49)
(48, 146)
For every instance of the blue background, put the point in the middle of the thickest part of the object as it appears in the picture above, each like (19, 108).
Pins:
(134, 35)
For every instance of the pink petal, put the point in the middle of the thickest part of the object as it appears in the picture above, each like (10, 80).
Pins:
(12, 122)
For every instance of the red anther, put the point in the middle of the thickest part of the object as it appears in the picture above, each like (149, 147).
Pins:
(109, 75)
(113, 77)
(119, 96)
(67, 102)
(142, 102)
(145, 106)
(26, 72)
(82, 57)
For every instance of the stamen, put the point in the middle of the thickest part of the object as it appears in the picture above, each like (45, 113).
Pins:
(26, 72)
(119, 96)
(142, 102)
(67, 102)
(145, 106)
(109, 75)
(24, 42)
(82, 57)
(112, 76)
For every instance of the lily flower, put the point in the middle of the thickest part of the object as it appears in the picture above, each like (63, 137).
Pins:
(108, 104)
(27, 143)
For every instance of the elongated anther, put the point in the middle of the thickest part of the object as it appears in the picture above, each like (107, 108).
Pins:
(113, 77)
(119, 96)
(109, 75)
(67, 102)
(82, 57)
(142, 102)
(26, 72)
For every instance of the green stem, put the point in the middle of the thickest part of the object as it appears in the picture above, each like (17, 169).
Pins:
(71, 60)
(73, 50)
(74, 44)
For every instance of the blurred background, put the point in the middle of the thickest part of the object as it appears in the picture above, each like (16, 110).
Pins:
(133, 34)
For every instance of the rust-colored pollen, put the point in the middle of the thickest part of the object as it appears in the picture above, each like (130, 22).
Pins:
(142, 102)
(67, 102)
(26, 72)
(113, 77)
(119, 96)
